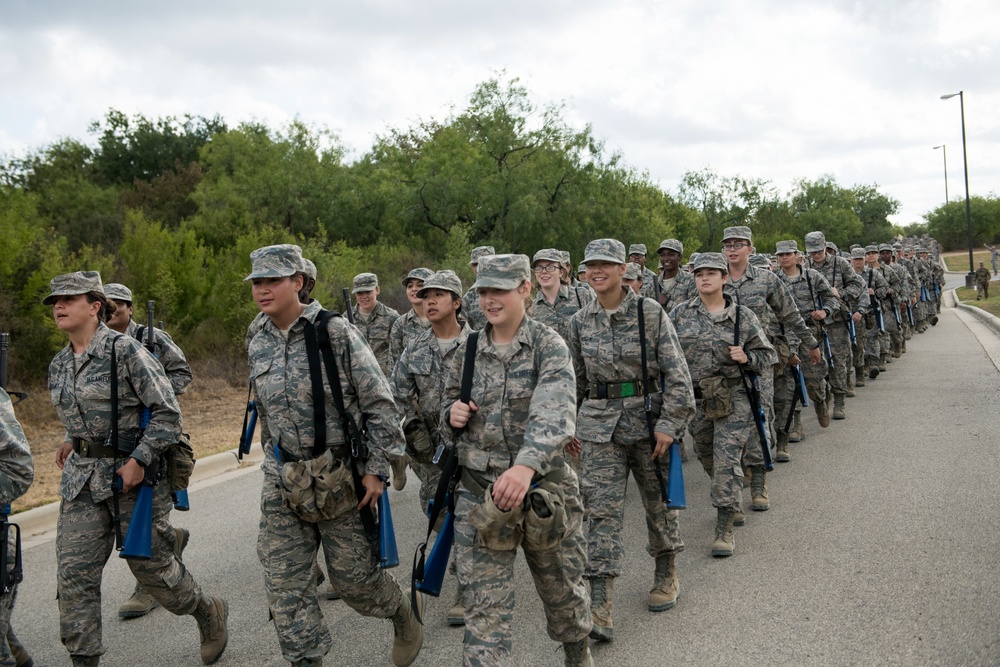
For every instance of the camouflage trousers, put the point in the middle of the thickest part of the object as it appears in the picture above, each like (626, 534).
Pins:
(862, 335)
(85, 538)
(287, 548)
(873, 347)
(753, 456)
(488, 578)
(722, 445)
(606, 466)
(843, 356)
(429, 475)
(6, 609)
(815, 374)
(784, 389)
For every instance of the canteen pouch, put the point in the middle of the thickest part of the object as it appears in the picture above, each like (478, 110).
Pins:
(784, 350)
(318, 489)
(544, 518)
(180, 463)
(419, 445)
(495, 529)
(717, 402)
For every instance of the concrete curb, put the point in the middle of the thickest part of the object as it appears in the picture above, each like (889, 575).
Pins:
(989, 319)
(38, 524)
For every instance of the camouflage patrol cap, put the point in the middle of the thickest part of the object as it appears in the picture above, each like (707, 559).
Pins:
(921, 249)
(365, 282)
(632, 271)
(71, 284)
(830, 245)
(581, 268)
(309, 268)
(605, 250)
(693, 257)
(564, 256)
(711, 260)
(548, 255)
(419, 273)
(480, 252)
(445, 279)
(782, 247)
(739, 232)
(760, 261)
(884, 247)
(897, 246)
(871, 248)
(502, 271)
(118, 292)
(275, 261)
(637, 249)
(857, 253)
(815, 241)
(671, 244)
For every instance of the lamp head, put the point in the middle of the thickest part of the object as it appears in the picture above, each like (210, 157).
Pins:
(951, 95)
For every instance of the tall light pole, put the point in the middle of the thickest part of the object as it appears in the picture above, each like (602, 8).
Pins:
(944, 151)
(968, 206)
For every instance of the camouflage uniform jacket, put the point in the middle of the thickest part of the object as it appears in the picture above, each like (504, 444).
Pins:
(983, 275)
(606, 350)
(806, 296)
(557, 315)
(705, 338)
(680, 289)
(905, 282)
(404, 330)
(841, 276)
(474, 315)
(82, 399)
(527, 405)
(168, 354)
(376, 332)
(878, 283)
(771, 301)
(16, 468)
(892, 284)
(279, 373)
(649, 279)
(419, 377)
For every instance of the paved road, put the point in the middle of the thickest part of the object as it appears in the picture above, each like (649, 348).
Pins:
(881, 549)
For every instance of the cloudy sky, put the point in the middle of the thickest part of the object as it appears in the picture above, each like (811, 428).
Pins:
(773, 89)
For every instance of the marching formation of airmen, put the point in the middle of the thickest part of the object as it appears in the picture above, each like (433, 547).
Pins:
(550, 386)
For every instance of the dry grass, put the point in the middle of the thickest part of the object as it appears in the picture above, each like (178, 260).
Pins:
(213, 409)
(959, 260)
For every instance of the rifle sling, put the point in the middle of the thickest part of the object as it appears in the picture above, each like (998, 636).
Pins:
(117, 519)
(647, 402)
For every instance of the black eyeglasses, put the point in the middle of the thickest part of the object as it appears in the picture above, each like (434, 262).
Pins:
(547, 268)
(737, 245)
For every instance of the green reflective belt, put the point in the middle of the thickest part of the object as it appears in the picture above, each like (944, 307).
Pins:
(613, 390)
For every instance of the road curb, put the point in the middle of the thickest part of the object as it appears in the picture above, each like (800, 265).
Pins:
(989, 319)
(38, 524)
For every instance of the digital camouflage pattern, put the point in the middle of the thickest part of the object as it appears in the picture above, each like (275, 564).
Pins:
(526, 416)
(722, 444)
(472, 311)
(559, 313)
(170, 356)
(68, 284)
(505, 272)
(376, 328)
(613, 434)
(17, 471)
(286, 545)
(674, 290)
(403, 331)
(276, 261)
(849, 288)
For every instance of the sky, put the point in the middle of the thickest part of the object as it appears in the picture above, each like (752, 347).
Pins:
(767, 89)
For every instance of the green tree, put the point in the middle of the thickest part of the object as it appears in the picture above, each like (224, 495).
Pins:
(723, 201)
(873, 209)
(822, 205)
(947, 223)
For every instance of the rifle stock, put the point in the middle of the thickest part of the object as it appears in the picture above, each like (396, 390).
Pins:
(138, 543)
(388, 554)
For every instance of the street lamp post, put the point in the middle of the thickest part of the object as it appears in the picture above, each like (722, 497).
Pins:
(944, 152)
(968, 207)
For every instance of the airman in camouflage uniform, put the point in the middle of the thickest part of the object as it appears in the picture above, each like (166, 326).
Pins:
(633, 277)
(705, 328)
(511, 438)
(555, 307)
(17, 471)
(375, 319)
(287, 543)
(178, 371)
(80, 386)
(900, 293)
(470, 302)
(309, 271)
(612, 429)
(637, 255)
(675, 285)
(878, 346)
(983, 278)
(890, 306)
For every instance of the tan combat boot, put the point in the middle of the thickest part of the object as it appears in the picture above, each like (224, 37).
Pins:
(603, 629)
(823, 410)
(398, 473)
(408, 633)
(850, 386)
(578, 654)
(666, 588)
(838, 407)
(758, 489)
(859, 371)
(881, 362)
(211, 615)
(140, 604)
(456, 615)
(85, 660)
(781, 456)
(795, 434)
(725, 541)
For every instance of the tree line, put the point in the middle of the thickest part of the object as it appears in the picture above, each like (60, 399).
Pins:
(173, 206)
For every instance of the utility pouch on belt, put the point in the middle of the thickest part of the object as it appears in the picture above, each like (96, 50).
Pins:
(318, 489)
(784, 350)
(496, 529)
(544, 517)
(717, 402)
(419, 445)
(180, 463)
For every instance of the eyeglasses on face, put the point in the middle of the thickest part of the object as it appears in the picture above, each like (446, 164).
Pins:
(735, 245)
(546, 268)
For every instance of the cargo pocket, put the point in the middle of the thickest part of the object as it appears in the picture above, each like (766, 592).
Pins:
(495, 529)
(544, 519)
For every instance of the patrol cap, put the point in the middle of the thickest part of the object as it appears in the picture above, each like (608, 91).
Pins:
(632, 271)
(782, 247)
(605, 250)
(275, 261)
(760, 261)
(711, 260)
(739, 232)
(815, 241)
(118, 292)
(502, 271)
(637, 249)
(309, 268)
(480, 252)
(692, 258)
(419, 273)
(897, 246)
(71, 284)
(365, 282)
(671, 244)
(581, 268)
(548, 255)
(445, 279)
(564, 256)
(857, 253)
(921, 249)
(871, 248)
(884, 247)
(830, 245)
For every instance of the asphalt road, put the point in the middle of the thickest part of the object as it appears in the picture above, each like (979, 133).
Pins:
(880, 549)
